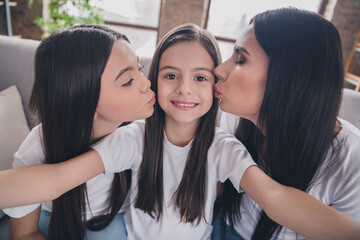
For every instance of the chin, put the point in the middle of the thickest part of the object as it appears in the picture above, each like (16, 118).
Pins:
(149, 114)
(226, 108)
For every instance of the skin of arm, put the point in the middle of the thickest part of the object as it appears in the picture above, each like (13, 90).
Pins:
(26, 227)
(303, 213)
(45, 182)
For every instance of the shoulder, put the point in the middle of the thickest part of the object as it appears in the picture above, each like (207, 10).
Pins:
(344, 155)
(228, 122)
(31, 150)
(342, 187)
(349, 131)
(222, 135)
(125, 139)
(130, 132)
(225, 144)
(121, 148)
(136, 127)
(348, 140)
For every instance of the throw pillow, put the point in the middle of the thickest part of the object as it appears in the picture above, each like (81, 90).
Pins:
(13, 126)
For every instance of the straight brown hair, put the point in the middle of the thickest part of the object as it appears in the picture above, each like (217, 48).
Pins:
(65, 94)
(189, 197)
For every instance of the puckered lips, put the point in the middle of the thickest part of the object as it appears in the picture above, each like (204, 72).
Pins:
(184, 105)
(217, 93)
(152, 100)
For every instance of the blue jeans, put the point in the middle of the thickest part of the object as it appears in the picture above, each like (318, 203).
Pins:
(115, 230)
(229, 234)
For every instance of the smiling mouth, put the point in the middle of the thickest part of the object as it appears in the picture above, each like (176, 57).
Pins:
(184, 105)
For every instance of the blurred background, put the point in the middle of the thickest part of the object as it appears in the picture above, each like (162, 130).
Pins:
(146, 21)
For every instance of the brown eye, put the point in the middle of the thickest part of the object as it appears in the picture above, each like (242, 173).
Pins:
(170, 76)
(200, 78)
(240, 59)
(128, 83)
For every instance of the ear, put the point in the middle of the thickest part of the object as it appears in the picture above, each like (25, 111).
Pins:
(95, 116)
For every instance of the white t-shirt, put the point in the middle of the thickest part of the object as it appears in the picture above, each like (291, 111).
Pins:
(340, 191)
(32, 152)
(227, 158)
(228, 122)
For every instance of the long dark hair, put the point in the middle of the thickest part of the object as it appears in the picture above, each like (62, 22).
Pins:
(190, 194)
(300, 104)
(68, 69)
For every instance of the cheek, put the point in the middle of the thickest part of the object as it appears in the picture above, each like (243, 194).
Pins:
(110, 107)
(245, 92)
(162, 94)
(208, 95)
(118, 102)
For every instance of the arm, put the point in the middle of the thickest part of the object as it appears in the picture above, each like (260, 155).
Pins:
(304, 214)
(26, 227)
(44, 182)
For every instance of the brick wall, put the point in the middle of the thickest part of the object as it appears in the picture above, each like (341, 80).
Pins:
(176, 12)
(22, 18)
(346, 18)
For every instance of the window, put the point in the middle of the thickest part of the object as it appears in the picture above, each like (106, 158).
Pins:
(227, 18)
(137, 19)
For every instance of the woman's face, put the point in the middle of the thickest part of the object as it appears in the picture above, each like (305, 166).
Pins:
(242, 78)
(125, 93)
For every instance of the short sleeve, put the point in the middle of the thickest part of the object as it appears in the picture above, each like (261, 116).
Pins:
(30, 152)
(228, 122)
(232, 158)
(346, 180)
(122, 149)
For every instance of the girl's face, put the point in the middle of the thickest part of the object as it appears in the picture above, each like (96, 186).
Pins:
(185, 82)
(125, 93)
(242, 78)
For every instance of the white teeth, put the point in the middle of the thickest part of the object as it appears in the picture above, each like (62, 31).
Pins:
(185, 105)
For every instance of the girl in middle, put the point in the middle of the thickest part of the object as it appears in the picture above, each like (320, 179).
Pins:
(174, 182)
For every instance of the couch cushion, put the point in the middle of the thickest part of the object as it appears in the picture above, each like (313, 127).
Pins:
(17, 68)
(350, 107)
(13, 126)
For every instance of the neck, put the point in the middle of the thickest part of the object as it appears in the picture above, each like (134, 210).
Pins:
(101, 129)
(180, 134)
(337, 127)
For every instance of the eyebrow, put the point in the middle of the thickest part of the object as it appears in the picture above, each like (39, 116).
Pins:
(123, 71)
(241, 49)
(195, 69)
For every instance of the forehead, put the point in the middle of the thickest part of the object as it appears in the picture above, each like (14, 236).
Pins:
(248, 41)
(187, 53)
(247, 37)
(122, 53)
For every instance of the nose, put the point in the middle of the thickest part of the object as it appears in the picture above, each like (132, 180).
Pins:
(146, 84)
(219, 71)
(184, 87)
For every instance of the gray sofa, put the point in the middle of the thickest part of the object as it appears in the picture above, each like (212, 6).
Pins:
(16, 68)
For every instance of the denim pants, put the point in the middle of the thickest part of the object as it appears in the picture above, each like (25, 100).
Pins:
(115, 230)
(229, 234)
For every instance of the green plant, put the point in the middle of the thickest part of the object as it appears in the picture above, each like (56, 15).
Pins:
(66, 13)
